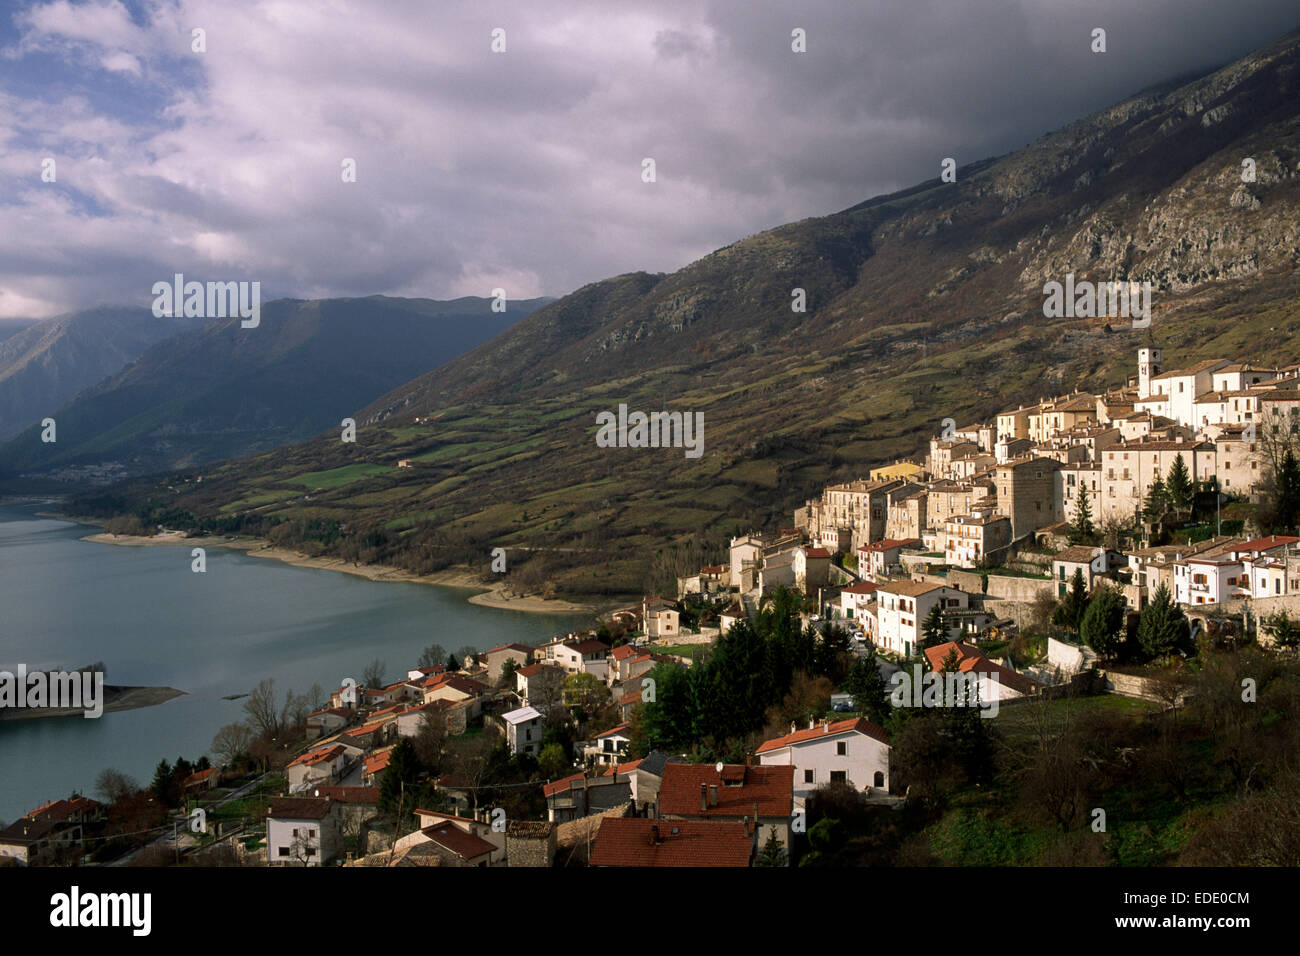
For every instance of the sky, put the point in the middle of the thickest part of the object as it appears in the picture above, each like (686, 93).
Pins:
(519, 168)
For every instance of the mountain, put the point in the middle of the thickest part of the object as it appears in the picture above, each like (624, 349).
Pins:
(222, 391)
(922, 305)
(43, 364)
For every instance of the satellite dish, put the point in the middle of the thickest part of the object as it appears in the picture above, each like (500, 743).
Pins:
(719, 767)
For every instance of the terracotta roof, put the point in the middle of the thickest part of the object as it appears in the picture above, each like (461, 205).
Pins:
(532, 670)
(59, 810)
(624, 650)
(631, 841)
(816, 553)
(299, 808)
(511, 647)
(198, 777)
(563, 783)
(378, 760)
(588, 647)
(971, 658)
(823, 730)
(621, 768)
(450, 837)
(313, 757)
(862, 587)
(463, 685)
(620, 730)
(910, 588)
(1077, 554)
(771, 788)
(890, 544)
(1266, 544)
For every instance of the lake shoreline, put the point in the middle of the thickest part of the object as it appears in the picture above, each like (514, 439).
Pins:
(116, 699)
(489, 596)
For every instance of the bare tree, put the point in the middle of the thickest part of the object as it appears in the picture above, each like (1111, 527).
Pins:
(373, 675)
(433, 656)
(261, 709)
(113, 785)
(230, 741)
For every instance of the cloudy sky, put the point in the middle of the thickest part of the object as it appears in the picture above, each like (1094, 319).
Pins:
(519, 169)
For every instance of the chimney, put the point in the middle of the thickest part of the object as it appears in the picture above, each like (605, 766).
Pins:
(811, 723)
(826, 726)
(654, 834)
(704, 797)
(713, 795)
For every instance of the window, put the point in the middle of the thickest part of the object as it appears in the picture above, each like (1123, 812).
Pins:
(841, 748)
(311, 851)
(807, 776)
(295, 831)
(284, 851)
(839, 776)
(879, 780)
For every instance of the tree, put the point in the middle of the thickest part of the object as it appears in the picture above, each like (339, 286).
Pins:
(373, 675)
(1283, 630)
(552, 761)
(585, 692)
(1180, 484)
(162, 783)
(468, 653)
(1069, 613)
(867, 686)
(430, 739)
(1081, 530)
(452, 663)
(773, 852)
(400, 777)
(1281, 494)
(433, 656)
(1157, 500)
(1163, 627)
(230, 741)
(113, 785)
(1103, 621)
(933, 629)
(261, 709)
(508, 669)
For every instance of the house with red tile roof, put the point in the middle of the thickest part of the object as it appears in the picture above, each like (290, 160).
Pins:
(458, 840)
(302, 831)
(660, 618)
(608, 745)
(456, 688)
(580, 795)
(540, 685)
(640, 841)
(733, 792)
(201, 781)
(328, 720)
(996, 682)
(374, 764)
(323, 765)
(496, 658)
(854, 751)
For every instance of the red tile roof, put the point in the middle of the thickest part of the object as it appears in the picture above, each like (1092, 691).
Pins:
(630, 841)
(1266, 544)
(563, 783)
(59, 810)
(816, 553)
(771, 788)
(313, 757)
(511, 647)
(299, 808)
(858, 724)
(450, 837)
(620, 730)
(622, 768)
(971, 658)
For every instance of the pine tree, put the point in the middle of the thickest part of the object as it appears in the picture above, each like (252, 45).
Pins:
(1101, 624)
(1163, 627)
(933, 629)
(1180, 484)
(1081, 529)
(773, 852)
(1069, 613)
(1286, 495)
(1157, 501)
(867, 686)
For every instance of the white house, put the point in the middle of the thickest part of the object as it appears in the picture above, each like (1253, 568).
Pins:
(852, 751)
(855, 598)
(302, 831)
(323, 765)
(524, 730)
(901, 608)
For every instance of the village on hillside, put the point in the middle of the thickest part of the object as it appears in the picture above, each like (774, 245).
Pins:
(1085, 547)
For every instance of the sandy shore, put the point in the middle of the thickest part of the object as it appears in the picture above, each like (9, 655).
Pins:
(489, 596)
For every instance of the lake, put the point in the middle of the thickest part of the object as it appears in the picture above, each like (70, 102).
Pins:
(65, 603)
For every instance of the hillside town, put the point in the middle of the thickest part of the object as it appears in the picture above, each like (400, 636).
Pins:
(637, 743)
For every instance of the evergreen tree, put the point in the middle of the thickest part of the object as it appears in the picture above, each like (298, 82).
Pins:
(1179, 485)
(933, 629)
(1103, 621)
(1286, 496)
(1069, 613)
(403, 769)
(1157, 500)
(1163, 627)
(868, 687)
(773, 852)
(1081, 529)
(162, 782)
